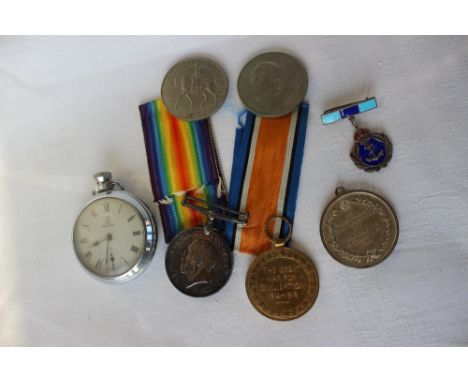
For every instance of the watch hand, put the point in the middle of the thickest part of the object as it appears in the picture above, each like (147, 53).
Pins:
(107, 251)
(112, 259)
(97, 242)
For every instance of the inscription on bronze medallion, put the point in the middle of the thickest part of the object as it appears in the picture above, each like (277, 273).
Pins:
(282, 283)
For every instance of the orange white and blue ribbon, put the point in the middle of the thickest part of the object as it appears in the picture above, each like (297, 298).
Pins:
(265, 176)
(182, 159)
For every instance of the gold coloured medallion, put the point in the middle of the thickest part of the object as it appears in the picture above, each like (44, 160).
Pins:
(282, 283)
(359, 228)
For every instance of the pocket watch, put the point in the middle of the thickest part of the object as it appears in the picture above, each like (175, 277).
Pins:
(114, 235)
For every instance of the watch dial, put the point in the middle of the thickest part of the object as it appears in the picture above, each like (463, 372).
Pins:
(109, 237)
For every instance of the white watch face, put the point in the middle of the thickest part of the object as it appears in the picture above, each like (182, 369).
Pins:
(109, 237)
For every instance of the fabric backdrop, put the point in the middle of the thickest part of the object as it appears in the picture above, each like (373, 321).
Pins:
(69, 108)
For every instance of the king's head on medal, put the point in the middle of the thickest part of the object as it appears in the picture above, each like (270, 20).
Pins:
(371, 151)
(199, 260)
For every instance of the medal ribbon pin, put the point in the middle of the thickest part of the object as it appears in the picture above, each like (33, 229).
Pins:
(371, 151)
(214, 211)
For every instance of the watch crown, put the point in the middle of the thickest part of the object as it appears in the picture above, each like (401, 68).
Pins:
(103, 181)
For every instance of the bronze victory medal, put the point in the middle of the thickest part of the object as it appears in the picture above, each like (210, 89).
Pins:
(194, 88)
(282, 283)
(198, 262)
(359, 228)
(272, 84)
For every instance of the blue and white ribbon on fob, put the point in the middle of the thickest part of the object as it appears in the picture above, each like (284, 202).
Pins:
(371, 151)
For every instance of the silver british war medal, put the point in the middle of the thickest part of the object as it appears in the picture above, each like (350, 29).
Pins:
(198, 260)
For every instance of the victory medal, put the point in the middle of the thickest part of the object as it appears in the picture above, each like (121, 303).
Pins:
(282, 283)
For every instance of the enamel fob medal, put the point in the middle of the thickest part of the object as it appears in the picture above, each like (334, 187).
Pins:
(115, 235)
(371, 151)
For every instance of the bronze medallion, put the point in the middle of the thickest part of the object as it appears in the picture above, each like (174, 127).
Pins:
(272, 84)
(198, 262)
(359, 228)
(194, 88)
(282, 283)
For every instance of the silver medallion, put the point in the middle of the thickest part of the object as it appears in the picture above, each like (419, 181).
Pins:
(194, 88)
(272, 84)
(359, 228)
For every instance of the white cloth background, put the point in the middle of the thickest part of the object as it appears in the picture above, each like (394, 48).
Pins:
(69, 108)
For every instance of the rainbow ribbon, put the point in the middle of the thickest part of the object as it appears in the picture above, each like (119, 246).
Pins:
(265, 176)
(182, 158)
